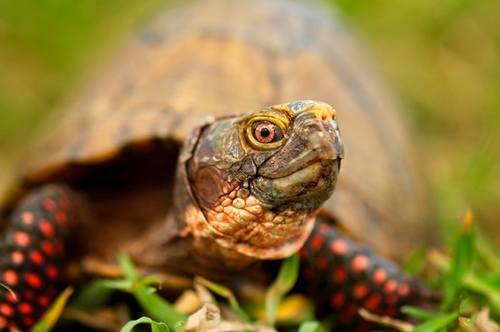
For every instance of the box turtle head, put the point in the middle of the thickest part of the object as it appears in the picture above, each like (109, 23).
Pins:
(255, 181)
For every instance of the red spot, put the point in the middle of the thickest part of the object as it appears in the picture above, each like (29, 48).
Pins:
(17, 257)
(46, 228)
(379, 276)
(390, 286)
(28, 321)
(52, 272)
(322, 263)
(65, 203)
(22, 239)
(6, 309)
(359, 263)
(404, 290)
(3, 322)
(10, 277)
(339, 274)
(33, 280)
(348, 314)
(37, 257)
(49, 205)
(337, 300)
(44, 301)
(61, 218)
(338, 247)
(28, 294)
(13, 327)
(25, 308)
(11, 297)
(391, 299)
(48, 248)
(360, 290)
(27, 218)
(324, 228)
(316, 242)
(373, 302)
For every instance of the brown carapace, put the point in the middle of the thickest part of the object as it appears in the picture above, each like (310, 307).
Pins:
(251, 183)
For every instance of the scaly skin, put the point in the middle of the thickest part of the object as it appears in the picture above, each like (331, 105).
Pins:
(255, 227)
(344, 276)
(31, 256)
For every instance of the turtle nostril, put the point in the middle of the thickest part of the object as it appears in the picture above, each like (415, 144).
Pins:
(324, 114)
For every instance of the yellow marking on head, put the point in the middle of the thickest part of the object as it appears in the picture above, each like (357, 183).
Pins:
(323, 112)
(283, 108)
(278, 118)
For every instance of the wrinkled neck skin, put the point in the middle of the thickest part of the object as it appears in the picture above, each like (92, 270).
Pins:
(239, 200)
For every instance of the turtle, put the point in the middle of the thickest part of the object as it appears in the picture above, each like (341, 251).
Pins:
(173, 155)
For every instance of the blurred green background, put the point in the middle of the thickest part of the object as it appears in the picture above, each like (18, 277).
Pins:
(441, 57)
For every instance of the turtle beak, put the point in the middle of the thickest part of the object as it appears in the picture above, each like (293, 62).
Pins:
(320, 120)
(315, 137)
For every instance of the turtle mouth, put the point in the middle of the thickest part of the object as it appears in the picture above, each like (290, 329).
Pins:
(303, 172)
(305, 178)
(304, 189)
(301, 162)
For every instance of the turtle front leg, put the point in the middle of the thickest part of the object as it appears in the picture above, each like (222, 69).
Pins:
(31, 254)
(345, 276)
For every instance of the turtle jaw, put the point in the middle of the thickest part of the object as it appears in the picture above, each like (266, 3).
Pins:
(303, 190)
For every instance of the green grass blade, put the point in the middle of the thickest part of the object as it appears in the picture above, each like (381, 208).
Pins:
(155, 326)
(463, 256)
(92, 295)
(159, 328)
(418, 313)
(487, 252)
(120, 285)
(129, 271)
(51, 317)
(153, 304)
(490, 290)
(156, 306)
(309, 326)
(437, 323)
(286, 279)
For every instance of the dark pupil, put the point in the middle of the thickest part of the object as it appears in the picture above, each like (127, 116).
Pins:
(265, 132)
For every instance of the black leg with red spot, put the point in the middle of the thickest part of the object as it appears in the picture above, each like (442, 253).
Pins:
(345, 276)
(31, 254)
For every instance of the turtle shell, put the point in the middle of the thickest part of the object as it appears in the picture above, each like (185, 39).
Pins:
(214, 58)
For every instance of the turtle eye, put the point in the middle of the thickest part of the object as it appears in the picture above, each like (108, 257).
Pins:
(267, 132)
(264, 131)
